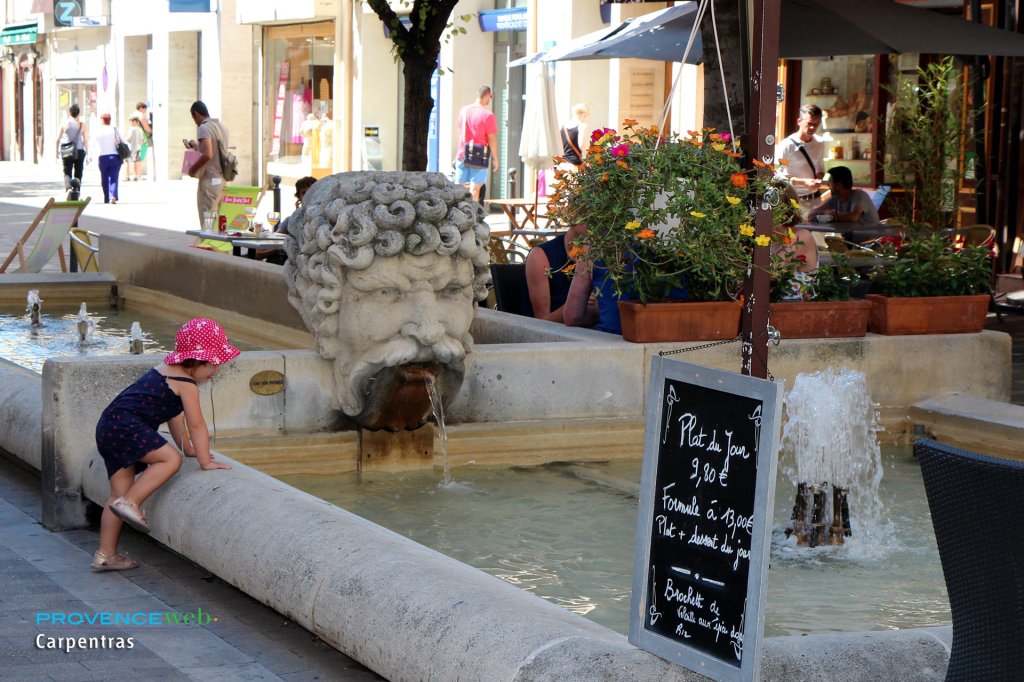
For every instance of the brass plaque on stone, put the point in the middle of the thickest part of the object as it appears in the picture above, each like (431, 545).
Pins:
(267, 382)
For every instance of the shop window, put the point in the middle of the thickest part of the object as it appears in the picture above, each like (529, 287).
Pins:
(298, 99)
(844, 89)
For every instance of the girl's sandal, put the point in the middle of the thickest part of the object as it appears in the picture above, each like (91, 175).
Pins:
(118, 562)
(130, 513)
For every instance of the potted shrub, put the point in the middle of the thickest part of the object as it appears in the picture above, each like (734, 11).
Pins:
(671, 219)
(929, 285)
(817, 307)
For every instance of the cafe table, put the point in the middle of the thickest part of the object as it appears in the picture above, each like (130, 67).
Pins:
(531, 216)
(233, 237)
(254, 244)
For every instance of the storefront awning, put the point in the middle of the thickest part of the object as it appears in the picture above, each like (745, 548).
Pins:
(19, 34)
(511, 19)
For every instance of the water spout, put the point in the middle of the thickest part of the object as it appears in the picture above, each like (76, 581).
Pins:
(136, 339)
(34, 306)
(438, 409)
(831, 435)
(86, 325)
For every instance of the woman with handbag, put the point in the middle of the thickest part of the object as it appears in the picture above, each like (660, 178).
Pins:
(109, 144)
(72, 143)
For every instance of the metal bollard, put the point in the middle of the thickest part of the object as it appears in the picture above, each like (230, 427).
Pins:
(275, 186)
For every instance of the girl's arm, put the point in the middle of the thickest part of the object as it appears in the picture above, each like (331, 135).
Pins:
(196, 425)
(180, 435)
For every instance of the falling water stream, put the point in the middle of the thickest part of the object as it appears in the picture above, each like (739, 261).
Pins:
(438, 409)
(34, 307)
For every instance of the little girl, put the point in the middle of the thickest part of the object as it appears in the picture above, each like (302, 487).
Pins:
(127, 436)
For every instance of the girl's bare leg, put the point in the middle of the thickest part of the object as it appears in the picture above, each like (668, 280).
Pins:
(163, 464)
(110, 523)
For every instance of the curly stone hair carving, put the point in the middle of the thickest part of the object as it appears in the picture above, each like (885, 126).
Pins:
(347, 220)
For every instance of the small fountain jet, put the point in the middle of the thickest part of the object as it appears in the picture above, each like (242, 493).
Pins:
(34, 307)
(136, 339)
(86, 325)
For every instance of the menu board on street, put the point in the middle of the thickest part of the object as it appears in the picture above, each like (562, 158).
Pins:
(704, 524)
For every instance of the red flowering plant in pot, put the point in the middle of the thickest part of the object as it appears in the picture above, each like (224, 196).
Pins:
(670, 218)
(928, 284)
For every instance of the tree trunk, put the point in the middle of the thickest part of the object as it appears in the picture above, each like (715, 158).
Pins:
(418, 105)
(730, 17)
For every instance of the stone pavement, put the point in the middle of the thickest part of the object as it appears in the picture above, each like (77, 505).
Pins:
(46, 577)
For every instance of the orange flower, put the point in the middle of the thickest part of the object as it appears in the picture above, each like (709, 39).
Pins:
(595, 148)
(598, 160)
(734, 155)
(630, 122)
(603, 179)
(783, 162)
(576, 251)
(568, 268)
(558, 159)
(760, 164)
(738, 179)
(645, 234)
(623, 164)
(693, 133)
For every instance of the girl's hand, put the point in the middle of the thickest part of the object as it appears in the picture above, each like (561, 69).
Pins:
(209, 466)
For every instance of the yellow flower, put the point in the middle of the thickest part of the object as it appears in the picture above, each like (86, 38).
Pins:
(794, 204)
(747, 230)
(763, 240)
(718, 147)
(695, 214)
(733, 200)
(633, 225)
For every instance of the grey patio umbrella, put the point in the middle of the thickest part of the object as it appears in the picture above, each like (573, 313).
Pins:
(813, 28)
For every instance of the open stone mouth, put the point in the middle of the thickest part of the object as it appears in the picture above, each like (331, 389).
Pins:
(419, 370)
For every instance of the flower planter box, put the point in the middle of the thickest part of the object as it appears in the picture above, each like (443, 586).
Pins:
(820, 319)
(679, 321)
(927, 314)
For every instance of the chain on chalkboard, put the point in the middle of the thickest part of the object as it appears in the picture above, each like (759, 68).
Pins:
(771, 332)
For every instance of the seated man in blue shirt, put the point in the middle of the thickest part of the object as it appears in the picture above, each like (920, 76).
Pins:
(848, 205)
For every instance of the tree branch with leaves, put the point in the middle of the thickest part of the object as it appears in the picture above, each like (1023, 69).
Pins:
(416, 42)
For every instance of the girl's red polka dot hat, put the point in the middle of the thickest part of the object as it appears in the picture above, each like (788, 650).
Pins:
(201, 339)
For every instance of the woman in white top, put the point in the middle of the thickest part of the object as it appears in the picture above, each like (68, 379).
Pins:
(105, 141)
(73, 133)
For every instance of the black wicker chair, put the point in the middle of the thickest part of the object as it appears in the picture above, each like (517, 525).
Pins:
(977, 508)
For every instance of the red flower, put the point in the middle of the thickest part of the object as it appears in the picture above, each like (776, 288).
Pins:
(739, 179)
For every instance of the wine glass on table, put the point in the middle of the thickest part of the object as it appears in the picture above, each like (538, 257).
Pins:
(273, 219)
(250, 216)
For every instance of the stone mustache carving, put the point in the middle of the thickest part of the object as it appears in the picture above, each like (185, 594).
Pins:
(385, 269)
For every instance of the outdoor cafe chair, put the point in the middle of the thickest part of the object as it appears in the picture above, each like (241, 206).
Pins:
(83, 250)
(976, 507)
(50, 226)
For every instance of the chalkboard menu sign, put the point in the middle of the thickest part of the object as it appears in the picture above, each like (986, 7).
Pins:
(704, 525)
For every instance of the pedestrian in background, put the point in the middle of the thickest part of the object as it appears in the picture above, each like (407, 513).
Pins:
(105, 142)
(72, 143)
(146, 122)
(478, 143)
(212, 136)
(136, 140)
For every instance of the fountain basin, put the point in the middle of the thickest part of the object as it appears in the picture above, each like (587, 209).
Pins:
(527, 377)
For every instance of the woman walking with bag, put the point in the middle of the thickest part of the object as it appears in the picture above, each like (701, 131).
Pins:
(72, 143)
(107, 141)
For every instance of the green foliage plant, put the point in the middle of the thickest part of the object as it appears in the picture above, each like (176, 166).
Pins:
(662, 212)
(929, 264)
(923, 139)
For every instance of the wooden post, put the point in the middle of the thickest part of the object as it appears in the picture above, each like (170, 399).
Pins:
(763, 77)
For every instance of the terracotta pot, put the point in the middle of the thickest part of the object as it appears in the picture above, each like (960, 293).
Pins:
(820, 319)
(679, 321)
(927, 314)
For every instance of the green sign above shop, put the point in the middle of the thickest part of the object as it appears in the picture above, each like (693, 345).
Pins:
(19, 34)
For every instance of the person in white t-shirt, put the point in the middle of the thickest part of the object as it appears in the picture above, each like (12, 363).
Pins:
(804, 155)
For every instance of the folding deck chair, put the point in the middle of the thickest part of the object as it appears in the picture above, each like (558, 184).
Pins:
(52, 224)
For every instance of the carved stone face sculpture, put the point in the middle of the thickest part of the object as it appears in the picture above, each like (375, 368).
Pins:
(385, 269)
